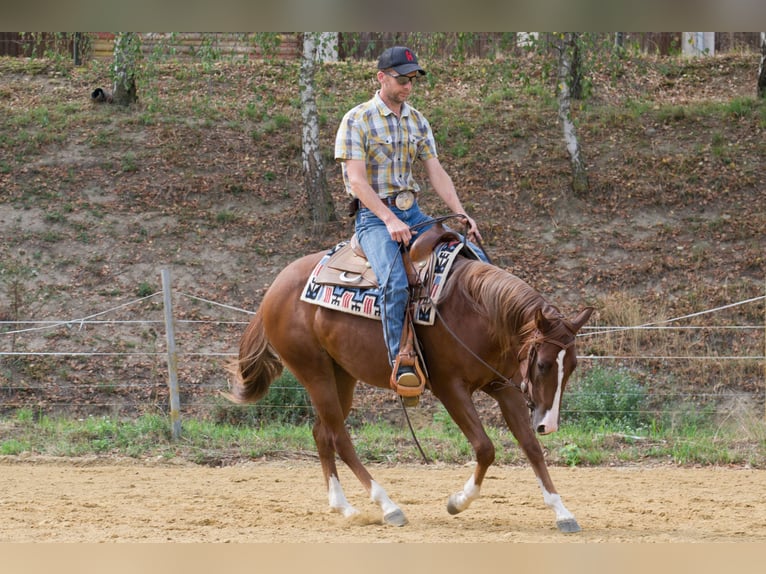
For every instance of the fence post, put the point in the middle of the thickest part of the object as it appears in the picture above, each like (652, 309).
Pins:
(175, 401)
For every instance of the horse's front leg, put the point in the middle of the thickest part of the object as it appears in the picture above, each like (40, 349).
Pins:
(459, 405)
(461, 500)
(516, 415)
(565, 520)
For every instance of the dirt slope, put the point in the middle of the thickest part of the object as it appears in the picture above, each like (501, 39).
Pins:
(203, 177)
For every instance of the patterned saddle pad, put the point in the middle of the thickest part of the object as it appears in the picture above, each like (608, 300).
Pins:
(364, 301)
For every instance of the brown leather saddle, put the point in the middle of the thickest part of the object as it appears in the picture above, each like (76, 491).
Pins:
(349, 267)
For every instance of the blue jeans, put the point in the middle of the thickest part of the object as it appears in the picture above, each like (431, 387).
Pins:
(386, 261)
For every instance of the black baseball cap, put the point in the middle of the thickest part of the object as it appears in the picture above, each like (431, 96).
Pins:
(401, 59)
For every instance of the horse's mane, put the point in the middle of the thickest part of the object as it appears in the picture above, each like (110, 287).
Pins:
(507, 302)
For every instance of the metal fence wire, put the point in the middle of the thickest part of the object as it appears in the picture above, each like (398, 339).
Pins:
(167, 352)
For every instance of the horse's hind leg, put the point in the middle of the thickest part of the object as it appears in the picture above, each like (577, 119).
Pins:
(516, 415)
(332, 404)
(326, 451)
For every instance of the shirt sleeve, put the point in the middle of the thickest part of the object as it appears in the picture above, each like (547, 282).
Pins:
(349, 139)
(427, 148)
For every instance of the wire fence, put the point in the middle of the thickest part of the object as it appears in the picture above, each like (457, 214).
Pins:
(117, 362)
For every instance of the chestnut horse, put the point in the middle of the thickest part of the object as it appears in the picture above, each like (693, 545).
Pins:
(493, 333)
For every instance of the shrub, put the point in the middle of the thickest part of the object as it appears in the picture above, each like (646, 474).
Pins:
(287, 402)
(607, 397)
(144, 289)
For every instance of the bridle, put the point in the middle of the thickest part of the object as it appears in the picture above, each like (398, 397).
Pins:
(537, 341)
(537, 338)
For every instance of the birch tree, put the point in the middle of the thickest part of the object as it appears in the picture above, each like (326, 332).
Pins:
(567, 76)
(619, 41)
(321, 207)
(127, 50)
(762, 68)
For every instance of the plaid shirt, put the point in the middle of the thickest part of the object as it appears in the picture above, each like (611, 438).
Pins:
(388, 145)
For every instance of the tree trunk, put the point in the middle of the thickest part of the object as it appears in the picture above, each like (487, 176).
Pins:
(575, 73)
(321, 207)
(127, 49)
(567, 47)
(762, 68)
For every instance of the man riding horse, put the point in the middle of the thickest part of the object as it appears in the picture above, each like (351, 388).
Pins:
(377, 144)
(493, 332)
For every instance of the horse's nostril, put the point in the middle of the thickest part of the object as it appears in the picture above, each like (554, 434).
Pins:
(541, 429)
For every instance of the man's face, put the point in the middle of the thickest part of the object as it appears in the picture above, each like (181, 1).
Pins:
(394, 87)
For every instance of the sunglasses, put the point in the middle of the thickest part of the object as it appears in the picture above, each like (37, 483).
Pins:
(402, 80)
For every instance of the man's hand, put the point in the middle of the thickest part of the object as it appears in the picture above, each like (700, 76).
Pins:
(399, 231)
(473, 230)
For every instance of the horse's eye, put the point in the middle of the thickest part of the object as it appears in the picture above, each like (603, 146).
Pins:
(543, 366)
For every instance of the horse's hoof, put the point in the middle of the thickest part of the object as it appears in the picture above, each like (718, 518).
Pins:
(568, 526)
(452, 508)
(395, 518)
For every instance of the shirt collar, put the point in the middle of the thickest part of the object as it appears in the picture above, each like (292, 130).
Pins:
(385, 110)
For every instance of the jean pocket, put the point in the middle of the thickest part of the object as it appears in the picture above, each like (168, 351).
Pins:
(363, 218)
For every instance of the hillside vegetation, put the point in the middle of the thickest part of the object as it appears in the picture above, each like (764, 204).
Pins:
(203, 177)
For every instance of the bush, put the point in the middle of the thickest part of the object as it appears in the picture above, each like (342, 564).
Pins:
(606, 397)
(287, 402)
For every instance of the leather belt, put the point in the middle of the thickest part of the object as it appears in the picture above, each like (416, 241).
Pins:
(402, 200)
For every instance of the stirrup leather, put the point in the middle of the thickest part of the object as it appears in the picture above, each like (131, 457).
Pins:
(409, 356)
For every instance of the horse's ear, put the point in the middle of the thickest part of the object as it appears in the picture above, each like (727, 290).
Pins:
(582, 318)
(541, 322)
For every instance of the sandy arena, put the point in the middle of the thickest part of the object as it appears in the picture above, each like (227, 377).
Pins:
(97, 500)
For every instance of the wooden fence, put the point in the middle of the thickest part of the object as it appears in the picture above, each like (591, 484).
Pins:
(190, 43)
(355, 45)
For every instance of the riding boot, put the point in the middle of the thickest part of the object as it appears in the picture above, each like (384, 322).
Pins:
(407, 376)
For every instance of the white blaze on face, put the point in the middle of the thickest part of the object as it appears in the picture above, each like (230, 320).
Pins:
(550, 421)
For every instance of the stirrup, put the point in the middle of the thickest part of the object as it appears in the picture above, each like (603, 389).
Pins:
(408, 384)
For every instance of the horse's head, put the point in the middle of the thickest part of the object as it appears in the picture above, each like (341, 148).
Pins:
(550, 360)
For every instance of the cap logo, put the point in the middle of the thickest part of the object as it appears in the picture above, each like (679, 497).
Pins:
(408, 55)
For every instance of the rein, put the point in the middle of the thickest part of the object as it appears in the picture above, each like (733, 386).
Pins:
(416, 227)
(460, 216)
(505, 381)
(533, 345)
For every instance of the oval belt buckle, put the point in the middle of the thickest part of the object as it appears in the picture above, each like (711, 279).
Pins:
(405, 200)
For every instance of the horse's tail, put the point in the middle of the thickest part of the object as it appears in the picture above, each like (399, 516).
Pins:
(257, 366)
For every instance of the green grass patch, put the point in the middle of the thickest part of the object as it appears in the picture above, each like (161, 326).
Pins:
(606, 397)
(690, 438)
(286, 402)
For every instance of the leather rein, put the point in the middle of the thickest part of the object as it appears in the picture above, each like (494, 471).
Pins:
(537, 338)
